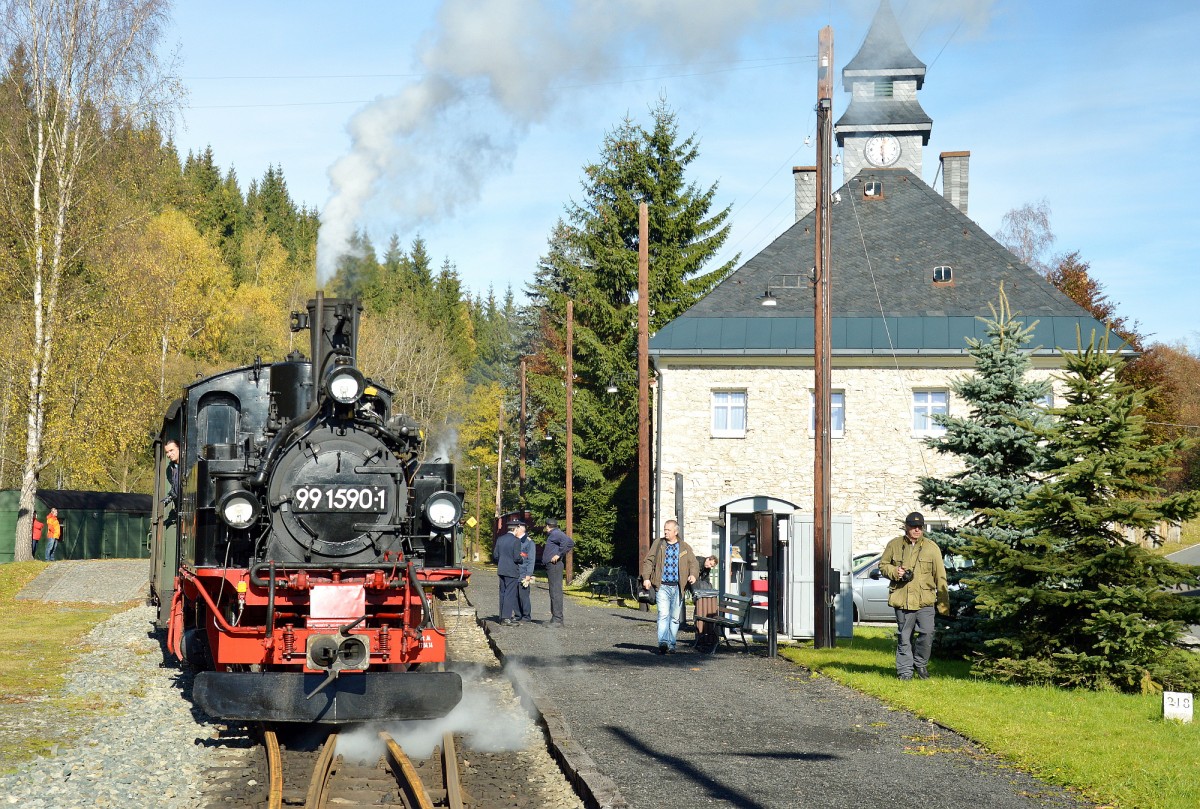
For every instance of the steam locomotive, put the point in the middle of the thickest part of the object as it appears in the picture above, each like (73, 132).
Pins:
(299, 548)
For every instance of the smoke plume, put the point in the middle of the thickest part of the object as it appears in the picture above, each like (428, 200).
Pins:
(493, 68)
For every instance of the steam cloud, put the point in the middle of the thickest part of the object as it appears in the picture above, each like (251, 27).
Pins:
(493, 68)
(487, 727)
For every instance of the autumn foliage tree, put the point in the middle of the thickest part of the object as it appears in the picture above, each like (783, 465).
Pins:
(84, 65)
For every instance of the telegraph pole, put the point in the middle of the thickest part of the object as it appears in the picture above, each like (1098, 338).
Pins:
(823, 636)
(521, 478)
(643, 338)
(570, 507)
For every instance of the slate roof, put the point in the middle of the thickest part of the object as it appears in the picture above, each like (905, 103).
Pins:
(884, 53)
(884, 115)
(883, 297)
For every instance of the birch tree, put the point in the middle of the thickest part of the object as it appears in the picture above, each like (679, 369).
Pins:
(88, 64)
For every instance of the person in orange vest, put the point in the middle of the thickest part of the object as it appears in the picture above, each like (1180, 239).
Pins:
(53, 533)
(38, 525)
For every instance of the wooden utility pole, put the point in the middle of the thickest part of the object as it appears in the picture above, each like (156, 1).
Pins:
(478, 504)
(570, 507)
(823, 637)
(499, 463)
(521, 477)
(643, 359)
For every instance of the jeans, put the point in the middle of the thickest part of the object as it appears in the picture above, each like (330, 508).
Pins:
(51, 545)
(669, 601)
(908, 652)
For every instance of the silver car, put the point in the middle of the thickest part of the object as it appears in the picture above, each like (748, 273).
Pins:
(871, 588)
(871, 592)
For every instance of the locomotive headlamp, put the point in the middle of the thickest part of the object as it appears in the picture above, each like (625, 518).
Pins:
(443, 509)
(238, 508)
(345, 384)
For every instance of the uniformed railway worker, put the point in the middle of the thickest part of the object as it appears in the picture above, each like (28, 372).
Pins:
(914, 564)
(507, 555)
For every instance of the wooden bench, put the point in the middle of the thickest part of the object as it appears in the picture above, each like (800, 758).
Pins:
(605, 581)
(732, 613)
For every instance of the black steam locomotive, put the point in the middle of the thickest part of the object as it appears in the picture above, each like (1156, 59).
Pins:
(300, 546)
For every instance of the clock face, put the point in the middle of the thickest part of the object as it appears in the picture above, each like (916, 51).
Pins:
(882, 150)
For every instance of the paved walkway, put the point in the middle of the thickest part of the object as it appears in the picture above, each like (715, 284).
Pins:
(733, 729)
(109, 581)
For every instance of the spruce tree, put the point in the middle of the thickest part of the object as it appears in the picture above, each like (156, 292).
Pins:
(593, 260)
(999, 451)
(1077, 602)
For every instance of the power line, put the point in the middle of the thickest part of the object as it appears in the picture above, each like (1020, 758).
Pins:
(558, 87)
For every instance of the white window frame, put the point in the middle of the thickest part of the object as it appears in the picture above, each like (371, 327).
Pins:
(726, 401)
(834, 407)
(925, 406)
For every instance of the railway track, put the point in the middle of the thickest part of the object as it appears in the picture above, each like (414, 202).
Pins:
(501, 757)
(325, 779)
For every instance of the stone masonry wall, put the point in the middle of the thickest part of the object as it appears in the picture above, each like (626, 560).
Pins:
(875, 465)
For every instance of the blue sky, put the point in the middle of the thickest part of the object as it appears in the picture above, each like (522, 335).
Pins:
(470, 121)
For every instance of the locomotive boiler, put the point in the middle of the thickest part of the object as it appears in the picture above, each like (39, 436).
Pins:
(300, 548)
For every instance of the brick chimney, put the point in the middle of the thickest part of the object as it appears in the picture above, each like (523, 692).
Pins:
(806, 190)
(955, 173)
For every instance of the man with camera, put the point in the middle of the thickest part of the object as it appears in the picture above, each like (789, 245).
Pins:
(914, 564)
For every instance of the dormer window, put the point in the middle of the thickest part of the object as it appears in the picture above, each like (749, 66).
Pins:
(943, 274)
(873, 189)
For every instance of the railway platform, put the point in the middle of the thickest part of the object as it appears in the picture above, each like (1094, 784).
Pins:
(734, 729)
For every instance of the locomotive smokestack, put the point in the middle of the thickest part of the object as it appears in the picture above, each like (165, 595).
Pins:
(333, 329)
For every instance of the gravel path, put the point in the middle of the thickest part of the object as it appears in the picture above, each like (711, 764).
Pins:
(147, 746)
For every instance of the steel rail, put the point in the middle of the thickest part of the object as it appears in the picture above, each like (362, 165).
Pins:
(406, 774)
(450, 780)
(318, 785)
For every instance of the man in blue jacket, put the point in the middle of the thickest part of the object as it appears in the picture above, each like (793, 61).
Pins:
(554, 557)
(506, 553)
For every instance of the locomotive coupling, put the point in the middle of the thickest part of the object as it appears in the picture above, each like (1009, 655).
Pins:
(337, 653)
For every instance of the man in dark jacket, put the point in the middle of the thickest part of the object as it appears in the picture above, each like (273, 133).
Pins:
(554, 557)
(507, 555)
(914, 564)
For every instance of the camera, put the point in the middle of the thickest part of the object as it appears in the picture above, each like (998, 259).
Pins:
(907, 577)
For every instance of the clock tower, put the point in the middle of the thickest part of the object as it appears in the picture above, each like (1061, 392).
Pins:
(884, 125)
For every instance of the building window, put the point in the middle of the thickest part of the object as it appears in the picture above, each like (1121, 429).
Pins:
(837, 414)
(943, 274)
(883, 88)
(927, 404)
(729, 413)
(873, 189)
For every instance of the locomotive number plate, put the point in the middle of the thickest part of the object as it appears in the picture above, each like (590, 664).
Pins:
(340, 498)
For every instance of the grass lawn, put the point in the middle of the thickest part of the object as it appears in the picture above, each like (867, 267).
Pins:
(1114, 748)
(42, 640)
